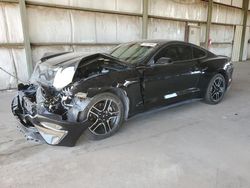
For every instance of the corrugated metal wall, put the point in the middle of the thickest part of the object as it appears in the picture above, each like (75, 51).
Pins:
(73, 25)
(11, 59)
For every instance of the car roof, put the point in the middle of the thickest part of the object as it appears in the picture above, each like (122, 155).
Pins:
(161, 42)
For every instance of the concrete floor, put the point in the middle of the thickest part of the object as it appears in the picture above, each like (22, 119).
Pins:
(195, 145)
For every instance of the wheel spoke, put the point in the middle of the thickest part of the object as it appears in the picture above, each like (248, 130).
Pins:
(105, 129)
(98, 125)
(96, 109)
(107, 105)
(113, 117)
(217, 95)
(215, 86)
(221, 90)
(213, 92)
(218, 82)
(95, 123)
(91, 112)
(116, 113)
(108, 124)
(214, 96)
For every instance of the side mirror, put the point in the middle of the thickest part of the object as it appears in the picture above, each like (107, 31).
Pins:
(163, 60)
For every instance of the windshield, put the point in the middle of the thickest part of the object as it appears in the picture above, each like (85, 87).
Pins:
(133, 52)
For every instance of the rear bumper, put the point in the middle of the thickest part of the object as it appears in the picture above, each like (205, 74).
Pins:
(47, 127)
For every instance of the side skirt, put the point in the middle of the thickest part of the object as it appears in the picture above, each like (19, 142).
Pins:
(154, 110)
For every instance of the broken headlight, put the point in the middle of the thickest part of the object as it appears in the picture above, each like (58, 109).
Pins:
(63, 77)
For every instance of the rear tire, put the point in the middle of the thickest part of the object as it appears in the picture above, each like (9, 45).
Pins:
(216, 89)
(106, 114)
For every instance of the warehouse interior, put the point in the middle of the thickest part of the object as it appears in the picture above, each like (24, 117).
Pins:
(176, 147)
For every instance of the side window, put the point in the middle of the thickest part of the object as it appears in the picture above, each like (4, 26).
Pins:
(184, 53)
(176, 53)
(197, 53)
(172, 53)
(169, 52)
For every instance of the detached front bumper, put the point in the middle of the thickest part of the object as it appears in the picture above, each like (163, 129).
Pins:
(46, 127)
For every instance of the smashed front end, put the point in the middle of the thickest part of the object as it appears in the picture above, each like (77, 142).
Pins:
(43, 110)
(45, 119)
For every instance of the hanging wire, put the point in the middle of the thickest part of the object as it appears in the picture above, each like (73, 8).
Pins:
(12, 75)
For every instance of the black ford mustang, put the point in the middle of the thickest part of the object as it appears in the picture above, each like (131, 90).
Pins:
(71, 93)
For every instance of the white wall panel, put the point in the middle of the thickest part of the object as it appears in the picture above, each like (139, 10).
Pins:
(248, 18)
(10, 24)
(38, 52)
(226, 2)
(7, 63)
(84, 27)
(203, 33)
(221, 33)
(128, 28)
(234, 16)
(57, 25)
(237, 3)
(229, 15)
(19, 57)
(58, 2)
(194, 34)
(3, 28)
(169, 8)
(49, 25)
(12, 60)
(129, 5)
(118, 5)
(106, 28)
(97, 4)
(165, 29)
(116, 28)
(218, 33)
(221, 49)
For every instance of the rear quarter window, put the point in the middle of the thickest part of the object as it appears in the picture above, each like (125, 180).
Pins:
(184, 52)
(198, 53)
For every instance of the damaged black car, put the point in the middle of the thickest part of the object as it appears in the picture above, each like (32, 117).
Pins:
(72, 93)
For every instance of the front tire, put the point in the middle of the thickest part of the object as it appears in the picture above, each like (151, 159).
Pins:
(106, 114)
(216, 89)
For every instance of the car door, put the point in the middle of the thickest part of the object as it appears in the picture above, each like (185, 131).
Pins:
(174, 80)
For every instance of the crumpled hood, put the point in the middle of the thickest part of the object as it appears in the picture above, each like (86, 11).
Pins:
(59, 71)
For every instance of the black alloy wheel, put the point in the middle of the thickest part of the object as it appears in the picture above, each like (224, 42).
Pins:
(105, 112)
(104, 117)
(216, 89)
